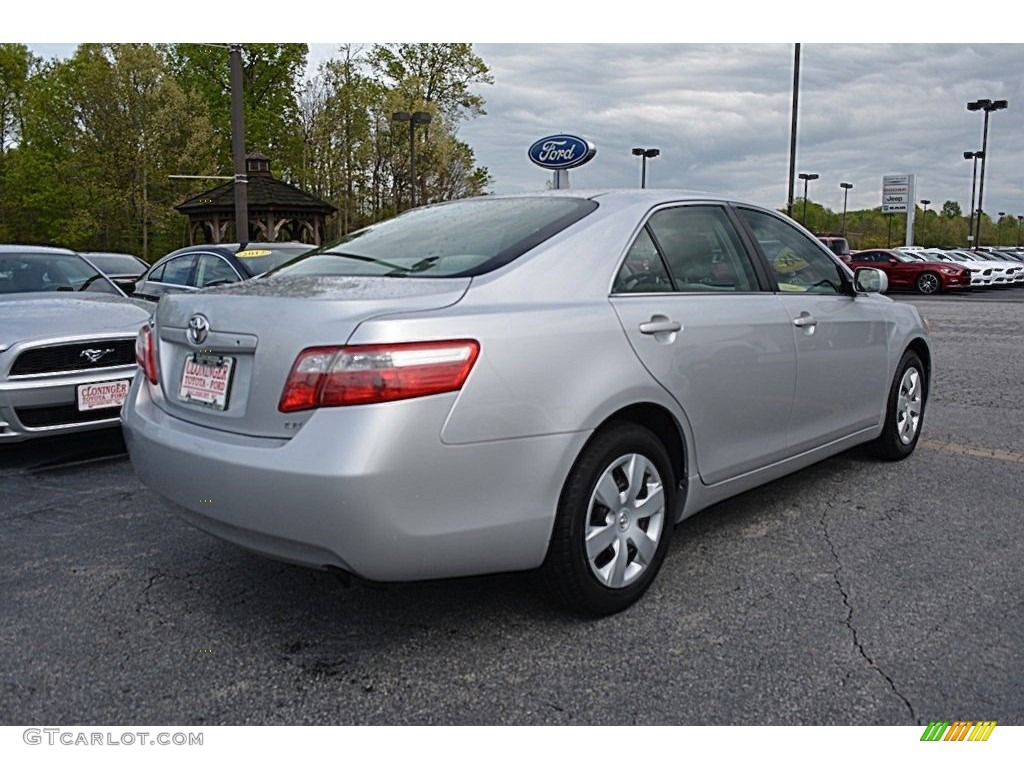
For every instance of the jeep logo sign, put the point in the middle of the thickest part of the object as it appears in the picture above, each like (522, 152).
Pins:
(561, 152)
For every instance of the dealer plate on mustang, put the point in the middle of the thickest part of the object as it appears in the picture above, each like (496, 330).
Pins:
(104, 394)
(206, 380)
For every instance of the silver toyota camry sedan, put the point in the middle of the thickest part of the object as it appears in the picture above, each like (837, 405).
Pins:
(546, 381)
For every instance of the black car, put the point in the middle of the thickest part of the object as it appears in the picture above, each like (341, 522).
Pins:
(125, 269)
(202, 266)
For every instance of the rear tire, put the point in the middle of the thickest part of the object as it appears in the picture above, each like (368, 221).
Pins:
(904, 415)
(614, 522)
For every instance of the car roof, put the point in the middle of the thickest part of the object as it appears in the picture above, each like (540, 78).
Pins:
(41, 249)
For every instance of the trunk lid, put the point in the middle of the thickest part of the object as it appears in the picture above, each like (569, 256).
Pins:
(250, 334)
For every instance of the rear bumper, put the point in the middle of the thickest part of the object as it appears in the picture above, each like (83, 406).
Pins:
(368, 489)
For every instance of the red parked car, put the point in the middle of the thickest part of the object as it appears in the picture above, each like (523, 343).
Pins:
(904, 272)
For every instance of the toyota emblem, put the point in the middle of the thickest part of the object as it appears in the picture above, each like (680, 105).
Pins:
(198, 328)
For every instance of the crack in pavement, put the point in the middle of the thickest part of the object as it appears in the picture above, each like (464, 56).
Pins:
(848, 622)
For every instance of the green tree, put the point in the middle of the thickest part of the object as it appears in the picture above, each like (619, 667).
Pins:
(437, 78)
(16, 65)
(271, 78)
(441, 74)
(951, 210)
(102, 132)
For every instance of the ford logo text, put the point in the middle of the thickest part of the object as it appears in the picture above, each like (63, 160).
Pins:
(561, 152)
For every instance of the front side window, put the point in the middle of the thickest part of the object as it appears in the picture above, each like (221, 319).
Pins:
(798, 262)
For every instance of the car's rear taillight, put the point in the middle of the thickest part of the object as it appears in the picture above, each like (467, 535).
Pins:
(376, 373)
(145, 353)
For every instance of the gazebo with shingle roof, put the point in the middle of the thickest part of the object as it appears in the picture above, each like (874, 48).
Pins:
(277, 210)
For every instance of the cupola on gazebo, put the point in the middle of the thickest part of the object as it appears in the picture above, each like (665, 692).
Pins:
(277, 211)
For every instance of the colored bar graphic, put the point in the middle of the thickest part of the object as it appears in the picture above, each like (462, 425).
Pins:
(959, 730)
(982, 730)
(934, 730)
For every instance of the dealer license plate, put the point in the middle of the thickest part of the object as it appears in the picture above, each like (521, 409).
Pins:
(206, 380)
(104, 394)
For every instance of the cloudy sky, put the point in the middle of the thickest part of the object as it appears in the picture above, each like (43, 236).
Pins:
(719, 112)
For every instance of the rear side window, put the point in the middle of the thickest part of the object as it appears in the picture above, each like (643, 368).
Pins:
(177, 270)
(691, 249)
(457, 239)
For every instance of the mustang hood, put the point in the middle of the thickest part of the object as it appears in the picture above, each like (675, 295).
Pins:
(32, 316)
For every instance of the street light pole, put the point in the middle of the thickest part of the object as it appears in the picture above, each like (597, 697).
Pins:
(999, 229)
(238, 144)
(988, 106)
(643, 154)
(974, 180)
(847, 186)
(792, 128)
(413, 119)
(1020, 220)
(924, 218)
(806, 177)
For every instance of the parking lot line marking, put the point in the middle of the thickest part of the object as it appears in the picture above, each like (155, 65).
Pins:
(973, 450)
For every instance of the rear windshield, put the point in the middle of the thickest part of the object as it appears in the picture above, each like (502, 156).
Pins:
(457, 239)
(117, 263)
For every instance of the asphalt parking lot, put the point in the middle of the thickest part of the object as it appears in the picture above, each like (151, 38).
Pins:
(850, 593)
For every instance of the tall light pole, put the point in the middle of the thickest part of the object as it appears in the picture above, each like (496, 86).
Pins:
(976, 156)
(999, 229)
(792, 129)
(806, 177)
(846, 186)
(988, 106)
(924, 218)
(643, 154)
(1020, 220)
(238, 144)
(413, 119)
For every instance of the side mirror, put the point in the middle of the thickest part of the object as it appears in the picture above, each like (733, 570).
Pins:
(870, 280)
(127, 285)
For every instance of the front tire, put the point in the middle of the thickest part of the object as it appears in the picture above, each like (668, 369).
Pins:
(614, 522)
(904, 415)
(928, 283)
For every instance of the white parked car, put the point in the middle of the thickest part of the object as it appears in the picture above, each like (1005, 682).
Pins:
(981, 274)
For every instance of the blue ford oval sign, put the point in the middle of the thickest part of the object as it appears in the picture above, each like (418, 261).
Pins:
(561, 152)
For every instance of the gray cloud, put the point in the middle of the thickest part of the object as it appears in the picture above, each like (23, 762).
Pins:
(721, 114)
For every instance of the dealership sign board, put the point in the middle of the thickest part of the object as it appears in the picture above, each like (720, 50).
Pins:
(561, 152)
(897, 193)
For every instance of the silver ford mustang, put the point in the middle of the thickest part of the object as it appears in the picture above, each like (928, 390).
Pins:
(506, 383)
(67, 339)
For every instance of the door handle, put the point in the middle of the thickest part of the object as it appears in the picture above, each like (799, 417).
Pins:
(660, 324)
(805, 320)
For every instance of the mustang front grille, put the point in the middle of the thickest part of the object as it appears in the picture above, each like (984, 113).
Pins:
(80, 356)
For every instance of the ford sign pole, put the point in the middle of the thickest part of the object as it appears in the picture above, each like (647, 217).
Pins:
(559, 153)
